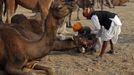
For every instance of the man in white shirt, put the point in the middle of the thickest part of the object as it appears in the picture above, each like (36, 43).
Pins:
(107, 27)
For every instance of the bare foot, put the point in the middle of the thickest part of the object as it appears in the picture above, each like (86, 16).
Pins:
(110, 52)
(98, 58)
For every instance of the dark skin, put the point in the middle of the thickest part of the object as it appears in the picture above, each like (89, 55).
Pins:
(104, 48)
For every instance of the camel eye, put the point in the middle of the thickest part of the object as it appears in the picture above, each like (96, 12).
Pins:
(60, 7)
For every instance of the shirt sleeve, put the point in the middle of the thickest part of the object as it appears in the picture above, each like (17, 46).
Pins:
(96, 22)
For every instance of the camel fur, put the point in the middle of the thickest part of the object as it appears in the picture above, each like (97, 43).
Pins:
(21, 51)
(36, 5)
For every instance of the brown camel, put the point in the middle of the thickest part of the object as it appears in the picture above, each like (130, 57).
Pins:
(100, 3)
(32, 32)
(26, 29)
(119, 2)
(110, 3)
(81, 4)
(35, 5)
(20, 51)
(80, 43)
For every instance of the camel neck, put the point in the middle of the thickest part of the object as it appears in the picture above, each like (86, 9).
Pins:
(44, 45)
(50, 27)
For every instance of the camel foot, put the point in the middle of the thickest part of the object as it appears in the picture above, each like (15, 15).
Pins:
(46, 70)
(39, 68)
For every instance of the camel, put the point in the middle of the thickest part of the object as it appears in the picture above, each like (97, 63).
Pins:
(100, 3)
(20, 51)
(65, 40)
(36, 5)
(110, 3)
(64, 37)
(80, 43)
(63, 45)
(81, 4)
(119, 2)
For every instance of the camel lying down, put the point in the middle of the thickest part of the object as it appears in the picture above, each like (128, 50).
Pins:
(65, 39)
(119, 2)
(19, 52)
(80, 43)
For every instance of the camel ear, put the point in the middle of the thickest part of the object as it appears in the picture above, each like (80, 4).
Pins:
(54, 3)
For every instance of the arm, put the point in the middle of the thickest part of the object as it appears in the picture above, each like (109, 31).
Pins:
(96, 22)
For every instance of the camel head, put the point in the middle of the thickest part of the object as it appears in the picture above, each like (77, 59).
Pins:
(61, 9)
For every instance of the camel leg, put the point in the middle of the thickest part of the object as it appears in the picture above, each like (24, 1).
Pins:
(68, 21)
(10, 10)
(110, 3)
(97, 3)
(103, 48)
(42, 67)
(101, 2)
(16, 62)
(69, 25)
(78, 18)
(39, 68)
(44, 9)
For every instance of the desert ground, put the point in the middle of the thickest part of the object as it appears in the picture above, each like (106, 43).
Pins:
(70, 62)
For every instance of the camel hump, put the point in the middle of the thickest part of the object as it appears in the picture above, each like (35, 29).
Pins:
(25, 26)
(17, 33)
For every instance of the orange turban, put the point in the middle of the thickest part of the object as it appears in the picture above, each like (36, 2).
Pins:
(77, 26)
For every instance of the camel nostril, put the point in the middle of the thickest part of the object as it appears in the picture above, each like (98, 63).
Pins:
(58, 33)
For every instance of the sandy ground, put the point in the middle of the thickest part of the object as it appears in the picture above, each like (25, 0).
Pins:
(121, 63)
